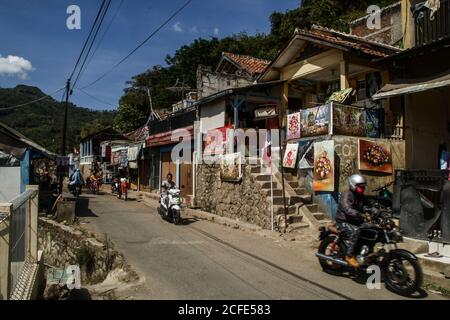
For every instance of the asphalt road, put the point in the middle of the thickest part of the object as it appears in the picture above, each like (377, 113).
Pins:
(203, 260)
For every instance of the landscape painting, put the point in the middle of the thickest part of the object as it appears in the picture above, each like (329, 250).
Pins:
(348, 121)
(315, 121)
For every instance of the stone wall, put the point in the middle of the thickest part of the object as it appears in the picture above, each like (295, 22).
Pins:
(65, 245)
(244, 201)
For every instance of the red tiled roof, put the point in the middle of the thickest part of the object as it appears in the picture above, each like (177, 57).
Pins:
(137, 135)
(369, 47)
(250, 64)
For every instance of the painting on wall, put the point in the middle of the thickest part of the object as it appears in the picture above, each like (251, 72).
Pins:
(306, 155)
(348, 121)
(294, 126)
(290, 155)
(375, 156)
(324, 166)
(373, 123)
(315, 121)
(231, 168)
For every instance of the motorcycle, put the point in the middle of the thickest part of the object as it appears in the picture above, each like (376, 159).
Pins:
(383, 199)
(400, 268)
(115, 186)
(123, 189)
(170, 206)
(94, 185)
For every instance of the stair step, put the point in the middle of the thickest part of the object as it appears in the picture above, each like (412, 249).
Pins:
(319, 215)
(280, 210)
(264, 178)
(313, 208)
(255, 169)
(267, 186)
(301, 191)
(295, 218)
(290, 200)
(294, 184)
(306, 199)
(297, 226)
(276, 193)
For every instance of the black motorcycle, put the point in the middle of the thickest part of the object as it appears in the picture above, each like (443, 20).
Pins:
(383, 199)
(401, 270)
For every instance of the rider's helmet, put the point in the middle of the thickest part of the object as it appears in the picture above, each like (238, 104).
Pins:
(357, 183)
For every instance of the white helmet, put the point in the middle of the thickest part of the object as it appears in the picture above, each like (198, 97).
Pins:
(355, 181)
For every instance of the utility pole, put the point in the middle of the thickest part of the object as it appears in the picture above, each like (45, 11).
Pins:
(64, 133)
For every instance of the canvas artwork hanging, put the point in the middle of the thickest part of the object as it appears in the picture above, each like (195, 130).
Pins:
(348, 121)
(294, 126)
(231, 168)
(324, 166)
(372, 123)
(375, 156)
(290, 155)
(315, 121)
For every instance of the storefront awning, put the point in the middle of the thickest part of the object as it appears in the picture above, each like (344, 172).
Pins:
(165, 138)
(413, 85)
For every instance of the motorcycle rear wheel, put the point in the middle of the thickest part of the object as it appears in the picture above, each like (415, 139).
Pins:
(338, 252)
(398, 274)
(176, 219)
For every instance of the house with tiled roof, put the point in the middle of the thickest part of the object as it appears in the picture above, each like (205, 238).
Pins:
(232, 71)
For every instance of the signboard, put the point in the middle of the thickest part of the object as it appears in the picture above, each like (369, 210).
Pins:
(315, 121)
(265, 113)
(324, 166)
(213, 145)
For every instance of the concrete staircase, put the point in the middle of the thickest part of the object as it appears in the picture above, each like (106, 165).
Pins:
(304, 216)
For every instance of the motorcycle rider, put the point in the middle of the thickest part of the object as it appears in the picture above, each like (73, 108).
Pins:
(166, 186)
(349, 217)
(76, 179)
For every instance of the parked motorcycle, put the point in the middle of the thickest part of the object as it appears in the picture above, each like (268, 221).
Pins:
(123, 189)
(383, 199)
(170, 206)
(94, 184)
(400, 268)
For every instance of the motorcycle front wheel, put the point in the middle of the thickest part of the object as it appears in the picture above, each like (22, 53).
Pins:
(176, 218)
(403, 274)
(331, 248)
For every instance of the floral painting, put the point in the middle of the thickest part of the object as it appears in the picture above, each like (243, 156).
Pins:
(324, 166)
(375, 156)
(231, 168)
(290, 156)
(294, 126)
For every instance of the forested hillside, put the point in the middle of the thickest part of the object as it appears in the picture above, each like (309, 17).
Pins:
(182, 65)
(42, 121)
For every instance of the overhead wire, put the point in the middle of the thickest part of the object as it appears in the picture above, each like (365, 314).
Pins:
(170, 18)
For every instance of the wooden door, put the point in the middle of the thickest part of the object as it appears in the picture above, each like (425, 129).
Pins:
(186, 186)
(167, 166)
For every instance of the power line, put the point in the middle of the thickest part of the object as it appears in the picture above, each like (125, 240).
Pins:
(141, 44)
(92, 43)
(87, 40)
(31, 102)
(95, 98)
(104, 34)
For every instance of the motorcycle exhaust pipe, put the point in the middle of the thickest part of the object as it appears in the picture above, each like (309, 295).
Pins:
(328, 258)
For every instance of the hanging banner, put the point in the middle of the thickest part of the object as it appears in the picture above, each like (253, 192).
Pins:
(348, 121)
(290, 156)
(324, 166)
(375, 157)
(294, 131)
(315, 121)
(116, 158)
(124, 158)
(266, 113)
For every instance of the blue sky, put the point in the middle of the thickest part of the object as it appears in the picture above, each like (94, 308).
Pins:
(37, 48)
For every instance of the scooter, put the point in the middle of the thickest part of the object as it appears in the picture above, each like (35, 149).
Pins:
(170, 206)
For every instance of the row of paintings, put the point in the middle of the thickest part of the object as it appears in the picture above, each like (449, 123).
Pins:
(350, 121)
(372, 156)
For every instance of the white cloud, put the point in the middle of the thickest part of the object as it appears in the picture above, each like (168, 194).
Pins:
(15, 66)
(177, 27)
(216, 31)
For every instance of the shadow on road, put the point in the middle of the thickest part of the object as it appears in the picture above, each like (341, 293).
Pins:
(82, 208)
(188, 221)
